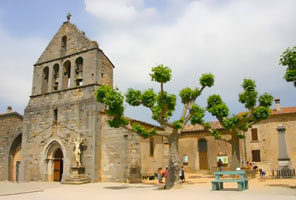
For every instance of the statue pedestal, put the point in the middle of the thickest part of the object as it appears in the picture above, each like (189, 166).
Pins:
(77, 176)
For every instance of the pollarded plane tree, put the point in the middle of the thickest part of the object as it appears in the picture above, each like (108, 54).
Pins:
(288, 58)
(162, 105)
(236, 124)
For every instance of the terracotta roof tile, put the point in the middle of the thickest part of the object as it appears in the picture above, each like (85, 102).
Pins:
(190, 128)
(217, 125)
(286, 110)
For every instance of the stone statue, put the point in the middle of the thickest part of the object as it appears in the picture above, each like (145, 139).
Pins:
(68, 17)
(77, 142)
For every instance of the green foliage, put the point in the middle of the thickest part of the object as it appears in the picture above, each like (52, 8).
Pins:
(290, 75)
(217, 107)
(240, 136)
(265, 100)
(288, 58)
(197, 114)
(133, 97)
(245, 126)
(188, 95)
(207, 80)
(219, 110)
(249, 95)
(214, 100)
(161, 74)
(230, 122)
(148, 98)
(206, 125)
(216, 134)
(101, 93)
(177, 124)
(261, 113)
(138, 128)
(113, 101)
(117, 122)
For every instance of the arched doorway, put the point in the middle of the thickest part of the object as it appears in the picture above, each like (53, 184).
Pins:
(203, 154)
(15, 159)
(55, 162)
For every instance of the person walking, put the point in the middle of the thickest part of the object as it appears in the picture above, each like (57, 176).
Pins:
(220, 165)
(182, 175)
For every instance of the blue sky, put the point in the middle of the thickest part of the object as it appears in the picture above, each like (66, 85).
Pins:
(232, 39)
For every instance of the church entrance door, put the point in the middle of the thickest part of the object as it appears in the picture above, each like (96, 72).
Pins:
(58, 166)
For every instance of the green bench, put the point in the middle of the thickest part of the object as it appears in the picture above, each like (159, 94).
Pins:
(242, 182)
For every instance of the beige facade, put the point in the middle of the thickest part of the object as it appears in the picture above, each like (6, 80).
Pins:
(266, 142)
(200, 151)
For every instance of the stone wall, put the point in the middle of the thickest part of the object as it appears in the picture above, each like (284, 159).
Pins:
(188, 145)
(120, 154)
(267, 141)
(10, 128)
(77, 113)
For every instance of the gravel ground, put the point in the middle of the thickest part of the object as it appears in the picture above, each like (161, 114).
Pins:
(196, 187)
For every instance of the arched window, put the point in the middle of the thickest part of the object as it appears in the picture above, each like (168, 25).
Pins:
(66, 75)
(79, 71)
(44, 83)
(63, 45)
(55, 82)
(202, 145)
(15, 159)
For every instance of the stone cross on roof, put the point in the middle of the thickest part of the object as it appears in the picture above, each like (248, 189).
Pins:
(68, 16)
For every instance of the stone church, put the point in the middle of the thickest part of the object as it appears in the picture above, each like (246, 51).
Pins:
(39, 146)
(62, 106)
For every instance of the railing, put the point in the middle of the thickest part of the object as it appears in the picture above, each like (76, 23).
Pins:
(285, 172)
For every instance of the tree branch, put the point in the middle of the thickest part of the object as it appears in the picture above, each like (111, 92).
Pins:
(184, 112)
(244, 120)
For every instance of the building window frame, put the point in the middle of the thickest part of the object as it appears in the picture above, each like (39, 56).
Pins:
(254, 134)
(256, 155)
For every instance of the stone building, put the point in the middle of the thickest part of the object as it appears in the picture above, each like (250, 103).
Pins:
(200, 151)
(62, 107)
(10, 144)
(262, 141)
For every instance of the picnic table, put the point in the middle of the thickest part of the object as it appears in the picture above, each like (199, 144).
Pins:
(242, 182)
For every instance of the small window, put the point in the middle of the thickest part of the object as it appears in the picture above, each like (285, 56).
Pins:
(63, 45)
(256, 156)
(55, 115)
(254, 132)
(151, 142)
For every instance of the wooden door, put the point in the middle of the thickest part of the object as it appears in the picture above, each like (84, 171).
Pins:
(203, 154)
(57, 170)
(203, 160)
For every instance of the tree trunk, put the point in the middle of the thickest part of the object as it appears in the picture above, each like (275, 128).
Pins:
(174, 163)
(235, 152)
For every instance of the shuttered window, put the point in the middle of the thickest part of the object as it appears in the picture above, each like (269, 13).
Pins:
(256, 156)
(254, 132)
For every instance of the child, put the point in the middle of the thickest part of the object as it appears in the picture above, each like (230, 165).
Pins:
(160, 175)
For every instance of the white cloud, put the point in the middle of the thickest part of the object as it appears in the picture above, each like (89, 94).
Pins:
(233, 39)
(117, 10)
(17, 57)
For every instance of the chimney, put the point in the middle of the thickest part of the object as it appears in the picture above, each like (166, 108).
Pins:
(277, 104)
(9, 109)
